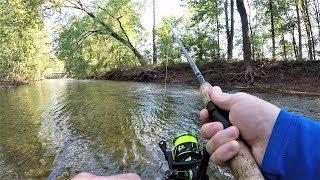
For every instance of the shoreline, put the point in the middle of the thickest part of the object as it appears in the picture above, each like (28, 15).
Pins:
(297, 78)
(292, 78)
(248, 89)
(11, 84)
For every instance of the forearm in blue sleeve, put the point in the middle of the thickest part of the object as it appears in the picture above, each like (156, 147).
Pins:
(293, 151)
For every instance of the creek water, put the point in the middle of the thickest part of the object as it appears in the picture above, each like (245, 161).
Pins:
(57, 128)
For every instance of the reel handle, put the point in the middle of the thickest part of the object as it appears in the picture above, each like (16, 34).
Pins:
(243, 165)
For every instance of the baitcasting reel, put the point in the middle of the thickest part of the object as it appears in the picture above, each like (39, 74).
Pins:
(186, 160)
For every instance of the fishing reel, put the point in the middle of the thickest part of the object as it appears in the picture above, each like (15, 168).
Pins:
(186, 160)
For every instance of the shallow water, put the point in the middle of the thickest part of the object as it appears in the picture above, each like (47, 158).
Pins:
(57, 128)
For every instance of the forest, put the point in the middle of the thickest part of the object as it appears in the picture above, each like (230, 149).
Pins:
(87, 86)
(92, 38)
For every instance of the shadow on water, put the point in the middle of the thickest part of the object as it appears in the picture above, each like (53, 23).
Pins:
(59, 128)
(20, 145)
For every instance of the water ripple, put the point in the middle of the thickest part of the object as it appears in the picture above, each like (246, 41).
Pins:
(59, 128)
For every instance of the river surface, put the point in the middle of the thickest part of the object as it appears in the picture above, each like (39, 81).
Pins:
(57, 128)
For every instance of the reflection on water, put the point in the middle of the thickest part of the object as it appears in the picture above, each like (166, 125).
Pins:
(59, 128)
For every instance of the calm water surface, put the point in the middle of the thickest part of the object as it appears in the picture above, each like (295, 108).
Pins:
(58, 128)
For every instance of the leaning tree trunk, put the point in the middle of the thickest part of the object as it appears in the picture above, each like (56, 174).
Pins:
(125, 41)
(247, 54)
(299, 30)
(272, 29)
(154, 33)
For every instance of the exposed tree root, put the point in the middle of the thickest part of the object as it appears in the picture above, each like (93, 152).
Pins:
(249, 75)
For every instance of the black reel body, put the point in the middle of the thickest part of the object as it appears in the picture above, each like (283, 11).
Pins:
(185, 159)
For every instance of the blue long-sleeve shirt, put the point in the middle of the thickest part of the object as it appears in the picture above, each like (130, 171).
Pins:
(293, 151)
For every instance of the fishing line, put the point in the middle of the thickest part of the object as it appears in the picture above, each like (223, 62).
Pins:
(165, 88)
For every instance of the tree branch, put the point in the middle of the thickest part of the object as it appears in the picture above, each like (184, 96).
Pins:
(118, 20)
(87, 34)
(122, 29)
(106, 11)
(125, 41)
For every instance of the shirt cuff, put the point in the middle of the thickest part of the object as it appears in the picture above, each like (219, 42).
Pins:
(282, 132)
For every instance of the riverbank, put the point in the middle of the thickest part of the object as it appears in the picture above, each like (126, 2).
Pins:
(302, 78)
(299, 78)
(10, 84)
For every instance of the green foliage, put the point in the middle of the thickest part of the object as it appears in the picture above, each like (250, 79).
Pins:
(284, 20)
(23, 42)
(204, 29)
(167, 51)
(88, 49)
(112, 35)
(205, 10)
(198, 33)
(208, 20)
(201, 41)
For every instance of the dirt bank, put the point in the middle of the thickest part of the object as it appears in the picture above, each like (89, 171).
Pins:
(286, 77)
(10, 84)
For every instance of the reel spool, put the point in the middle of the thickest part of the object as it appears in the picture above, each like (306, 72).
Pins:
(185, 158)
(186, 148)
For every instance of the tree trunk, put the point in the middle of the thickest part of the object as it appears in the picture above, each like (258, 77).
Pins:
(272, 29)
(317, 13)
(154, 33)
(229, 30)
(284, 48)
(119, 38)
(307, 23)
(299, 30)
(294, 44)
(251, 32)
(200, 54)
(218, 35)
(227, 26)
(310, 28)
(247, 54)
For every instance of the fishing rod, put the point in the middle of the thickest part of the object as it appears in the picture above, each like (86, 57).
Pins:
(243, 165)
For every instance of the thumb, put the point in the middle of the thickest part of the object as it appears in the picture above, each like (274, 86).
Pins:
(221, 99)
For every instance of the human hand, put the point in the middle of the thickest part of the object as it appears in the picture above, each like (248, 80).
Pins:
(88, 176)
(250, 116)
